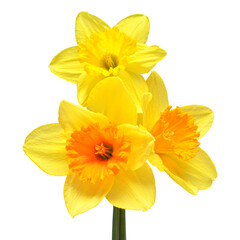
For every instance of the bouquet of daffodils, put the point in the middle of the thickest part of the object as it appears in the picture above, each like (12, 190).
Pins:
(102, 145)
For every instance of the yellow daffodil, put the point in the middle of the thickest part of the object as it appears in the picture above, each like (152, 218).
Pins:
(176, 132)
(102, 51)
(101, 156)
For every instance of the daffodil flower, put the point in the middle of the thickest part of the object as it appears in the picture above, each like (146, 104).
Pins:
(101, 156)
(102, 51)
(176, 133)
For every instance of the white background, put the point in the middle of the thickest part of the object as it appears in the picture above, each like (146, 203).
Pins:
(202, 67)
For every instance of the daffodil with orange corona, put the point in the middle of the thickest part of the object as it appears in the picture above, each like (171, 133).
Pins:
(177, 132)
(103, 51)
(103, 154)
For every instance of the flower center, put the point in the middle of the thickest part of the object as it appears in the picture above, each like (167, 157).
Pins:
(95, 152)
(106, 52)
(103, 151)
(175, 133)
(110, 61)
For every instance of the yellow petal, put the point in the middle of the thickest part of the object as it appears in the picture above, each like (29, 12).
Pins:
(82, 196)
(86, 25)
(203, 117)
(84, 86)
(141, 144)
(142, 117)
(152, 107)
(197, 173)
(136, 86)
(186, 185)
(156, 161)
(145, 58)
(133, 190)
(45, 146)
(66, 65)
(136, 26)
(111, 98)
(73, 117)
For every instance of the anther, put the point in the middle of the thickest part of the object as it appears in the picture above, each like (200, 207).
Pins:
(110, 61)
(104, 151)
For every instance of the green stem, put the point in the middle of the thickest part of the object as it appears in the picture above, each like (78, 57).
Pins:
(119, 224)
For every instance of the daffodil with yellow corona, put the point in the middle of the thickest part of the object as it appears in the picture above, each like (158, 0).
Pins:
(103, 51)
(177, 132)
(102, 155)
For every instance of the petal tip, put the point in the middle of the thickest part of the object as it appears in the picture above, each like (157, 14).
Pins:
(83, 13)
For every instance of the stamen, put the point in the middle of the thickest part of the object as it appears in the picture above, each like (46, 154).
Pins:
(104, 151)
(110, 61)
